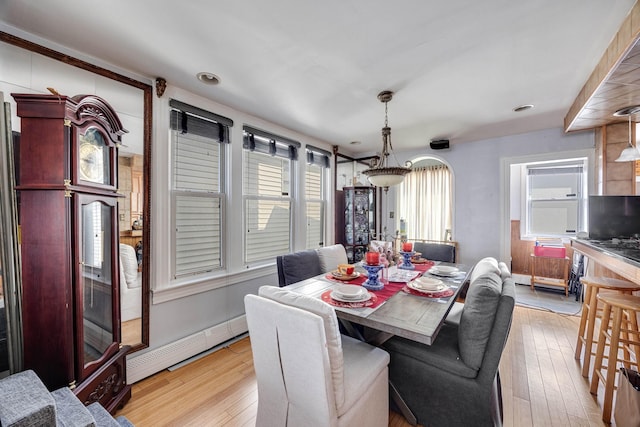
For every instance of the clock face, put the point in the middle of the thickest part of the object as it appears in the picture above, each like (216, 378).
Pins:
(94, 156)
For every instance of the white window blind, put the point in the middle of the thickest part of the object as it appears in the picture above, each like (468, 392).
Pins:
(267, 191)
(197, 193)
(315, 200)
(267, 206)
(556, 198)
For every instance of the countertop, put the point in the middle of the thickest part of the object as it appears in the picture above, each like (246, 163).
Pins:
(605, 246)
(623, 261)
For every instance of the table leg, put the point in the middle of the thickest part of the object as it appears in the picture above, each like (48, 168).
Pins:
(351, 330)
(402, 406)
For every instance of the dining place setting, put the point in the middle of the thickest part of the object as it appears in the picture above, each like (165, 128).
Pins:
(371, 282)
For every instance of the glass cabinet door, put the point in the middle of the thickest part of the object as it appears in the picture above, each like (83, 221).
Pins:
(96, 286)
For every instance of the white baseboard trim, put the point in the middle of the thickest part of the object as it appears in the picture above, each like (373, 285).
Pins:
(523, 279)
(151, 362)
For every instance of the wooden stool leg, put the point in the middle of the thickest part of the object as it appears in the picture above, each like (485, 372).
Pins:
(588, 343)
(612, 364)
(636, 346)
(583, 322)
(602, 337)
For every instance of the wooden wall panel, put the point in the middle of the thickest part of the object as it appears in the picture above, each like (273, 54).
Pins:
(521, 251)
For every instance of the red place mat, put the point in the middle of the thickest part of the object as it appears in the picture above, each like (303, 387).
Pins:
(440, 294)
(357, 281)
(424, 266)
(372, 302)
(389, 290)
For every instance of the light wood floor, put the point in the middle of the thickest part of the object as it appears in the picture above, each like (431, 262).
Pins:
(541, 383)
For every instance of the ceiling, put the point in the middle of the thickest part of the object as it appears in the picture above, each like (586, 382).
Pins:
(458, 68)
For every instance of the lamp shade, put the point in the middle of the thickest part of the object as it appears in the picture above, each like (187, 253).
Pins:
(629, 154)
(386, 176)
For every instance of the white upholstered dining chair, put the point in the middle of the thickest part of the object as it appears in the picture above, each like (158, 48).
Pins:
(331, 256)
(308, 374)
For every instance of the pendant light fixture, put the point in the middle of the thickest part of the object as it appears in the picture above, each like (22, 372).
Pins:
(380, 174)
(631, 153)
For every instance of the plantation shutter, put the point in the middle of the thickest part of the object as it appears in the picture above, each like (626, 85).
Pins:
(197, 188)
(267, 193)
(315, 206)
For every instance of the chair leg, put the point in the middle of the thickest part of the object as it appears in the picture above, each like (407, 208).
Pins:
(612, 365)
(602, 337)
(583, 323)
(588, 344)
(497, 410)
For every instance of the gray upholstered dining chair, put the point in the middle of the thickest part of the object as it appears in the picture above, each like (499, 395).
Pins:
(455, 381)
(307, 373)
(297, 266)
(436, 251)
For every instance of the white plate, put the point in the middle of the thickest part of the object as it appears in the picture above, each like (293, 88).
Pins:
(427, 284)
(365, 297)
(350, 292)
(441, 288)
(443, 271)
(337, 275)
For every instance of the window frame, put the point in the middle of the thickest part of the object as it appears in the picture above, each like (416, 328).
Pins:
(581, 195)
(262, 143)
(206, 128)
(322, 201)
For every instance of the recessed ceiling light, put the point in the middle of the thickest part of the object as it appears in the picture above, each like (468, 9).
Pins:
(355, 143)
(208, 78)
(524, 107)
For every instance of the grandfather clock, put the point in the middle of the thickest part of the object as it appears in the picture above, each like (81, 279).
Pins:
(68, 211)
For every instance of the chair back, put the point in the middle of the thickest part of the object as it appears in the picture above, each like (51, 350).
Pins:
(331, 256)
(436, 251)
(297, 266)
(292, 364)
(498, 333)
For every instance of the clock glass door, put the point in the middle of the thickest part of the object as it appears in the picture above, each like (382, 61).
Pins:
(94, 158)
(97, 219)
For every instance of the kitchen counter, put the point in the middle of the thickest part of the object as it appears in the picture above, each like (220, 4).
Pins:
(623, 261)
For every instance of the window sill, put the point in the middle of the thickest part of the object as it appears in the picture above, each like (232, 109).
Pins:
(199, 285)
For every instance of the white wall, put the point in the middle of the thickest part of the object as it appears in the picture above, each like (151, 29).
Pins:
(478, 213)
(481, 190)
(178, 309)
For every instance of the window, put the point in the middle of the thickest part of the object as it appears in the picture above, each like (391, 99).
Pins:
(555, 197)
(267, 192)
(197, 139)
(424, 202)
(315, 190)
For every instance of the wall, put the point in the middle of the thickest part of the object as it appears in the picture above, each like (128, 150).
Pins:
(178, 309)
(481, 185)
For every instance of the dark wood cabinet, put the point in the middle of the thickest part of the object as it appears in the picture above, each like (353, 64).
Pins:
(359, 220)
(68, 214)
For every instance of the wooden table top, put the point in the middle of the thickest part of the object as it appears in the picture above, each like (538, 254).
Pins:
(414, 317)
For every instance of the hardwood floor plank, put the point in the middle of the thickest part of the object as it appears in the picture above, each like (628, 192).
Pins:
(541, 383)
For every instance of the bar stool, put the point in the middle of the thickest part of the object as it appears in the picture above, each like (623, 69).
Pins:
(620, 311)
(590, 312)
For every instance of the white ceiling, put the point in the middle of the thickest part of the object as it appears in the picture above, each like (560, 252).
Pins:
(458, 67)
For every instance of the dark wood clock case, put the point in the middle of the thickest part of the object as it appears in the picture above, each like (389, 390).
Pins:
(69, 245)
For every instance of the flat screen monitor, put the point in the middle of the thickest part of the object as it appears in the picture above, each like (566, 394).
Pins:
(614, 216)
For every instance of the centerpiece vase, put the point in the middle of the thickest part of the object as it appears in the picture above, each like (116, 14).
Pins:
(373, 283)
(406, 261)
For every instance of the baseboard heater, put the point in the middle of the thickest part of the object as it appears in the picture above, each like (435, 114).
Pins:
(153, 361)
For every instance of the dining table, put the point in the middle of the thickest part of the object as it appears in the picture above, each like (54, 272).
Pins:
(395, 310)
(398, 310)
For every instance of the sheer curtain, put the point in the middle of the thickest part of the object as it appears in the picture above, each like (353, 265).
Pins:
(424, 202)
